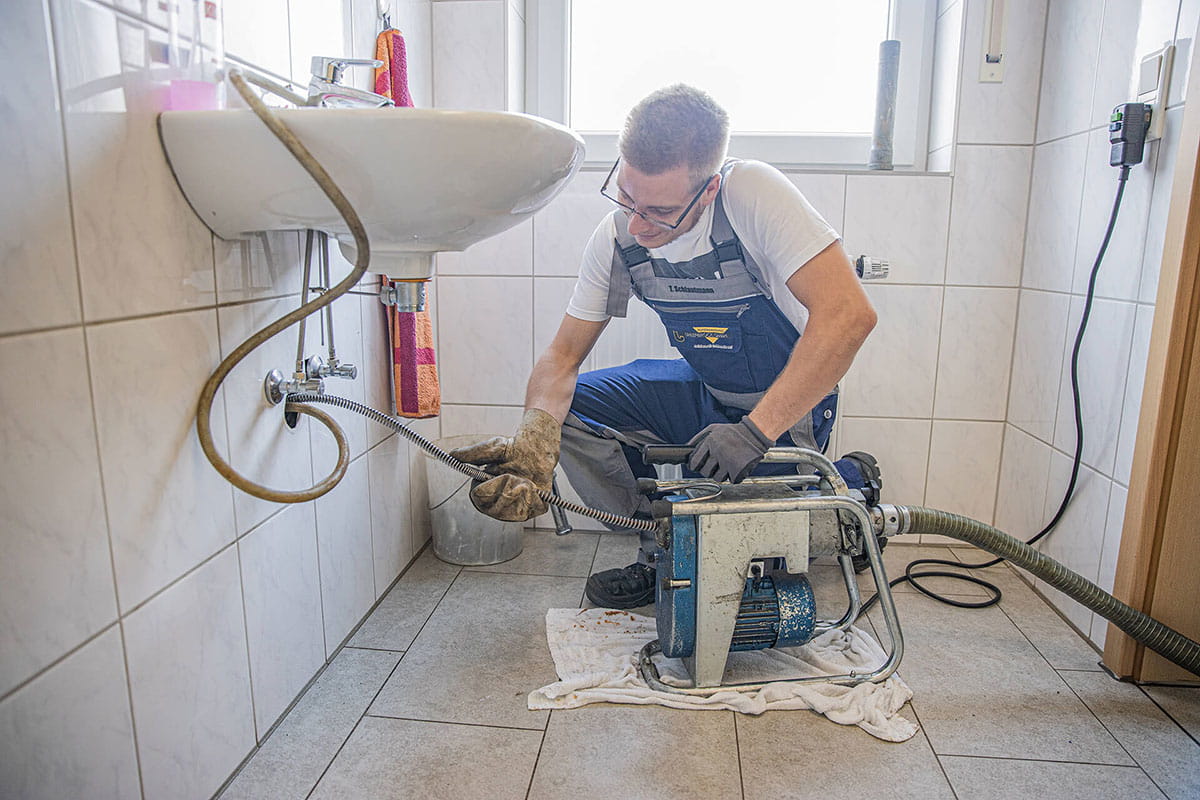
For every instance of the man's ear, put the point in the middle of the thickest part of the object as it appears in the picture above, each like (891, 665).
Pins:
(710, 191)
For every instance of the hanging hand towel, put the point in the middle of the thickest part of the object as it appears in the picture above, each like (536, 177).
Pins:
(391, 80)
(414, 368)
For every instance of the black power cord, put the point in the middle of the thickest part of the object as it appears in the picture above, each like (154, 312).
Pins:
(914, 578)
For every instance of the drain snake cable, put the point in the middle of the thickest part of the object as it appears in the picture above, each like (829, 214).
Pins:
(1153, 634)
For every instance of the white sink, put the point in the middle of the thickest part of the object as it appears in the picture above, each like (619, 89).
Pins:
(422, 180)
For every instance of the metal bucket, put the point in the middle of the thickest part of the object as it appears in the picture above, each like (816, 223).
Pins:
(461, 534)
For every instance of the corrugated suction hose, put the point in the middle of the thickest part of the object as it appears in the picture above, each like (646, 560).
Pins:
(363, 250)
(1160, 638)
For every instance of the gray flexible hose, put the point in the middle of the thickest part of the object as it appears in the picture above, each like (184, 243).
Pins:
(209, 392)
(475, 473)
(1160, 638)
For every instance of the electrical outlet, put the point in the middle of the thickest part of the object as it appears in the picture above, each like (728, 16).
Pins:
(1151, 81)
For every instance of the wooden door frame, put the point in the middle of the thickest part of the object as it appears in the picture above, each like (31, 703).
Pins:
(1151, 531)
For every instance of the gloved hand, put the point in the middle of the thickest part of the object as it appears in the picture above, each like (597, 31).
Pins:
(522, 463)
(728, 451)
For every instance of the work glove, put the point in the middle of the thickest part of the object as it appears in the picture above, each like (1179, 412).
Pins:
(522, 463)
(728, 451)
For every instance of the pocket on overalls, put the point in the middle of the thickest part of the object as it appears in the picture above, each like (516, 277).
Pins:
(712, 342)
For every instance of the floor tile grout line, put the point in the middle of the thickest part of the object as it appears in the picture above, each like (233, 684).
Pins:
(737, 746)
(537, 759)
(459, 722)
(373, 649)
(1170, 716)
(1110, 733)
(937, 758)
(1043, 760)
(350, 735)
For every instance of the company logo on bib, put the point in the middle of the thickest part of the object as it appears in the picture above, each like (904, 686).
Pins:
(706, 337)
(712, 334)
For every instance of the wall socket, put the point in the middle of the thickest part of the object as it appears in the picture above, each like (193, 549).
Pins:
(1151, 82)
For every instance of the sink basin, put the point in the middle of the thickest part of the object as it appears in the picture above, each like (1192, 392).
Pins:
(422, 180)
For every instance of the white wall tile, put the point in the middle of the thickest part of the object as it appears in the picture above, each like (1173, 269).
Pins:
(507, 253)
(973, 357)
(550, 298)
(485, 328)
(1103, 364)
(321, 28)
(468, 54)
(1185, 40)
(1118, 58)
(1069, 68)
(1001, 113)
(344, 547)
(562, 229)
(141, 248)
(37, 257)
(1021, 495)
(1113, 528)
(388, 466)
(1037, 362)
(1121, 270)
(169, 509)
(486, 421)
(987, 215)
(903, 219)
(1135, 381)
(56, 583)
(69, 733)
(902, 448)
(826, 193)
(894, 372)
(1160, 205)
(256, 31)
(281, 587)
(419, 516)
(268, 264)
(1078, 539)
(262, 447)
(187, 662)
(964, 466)
(1054, 203)
(514, 69)
(946, 75)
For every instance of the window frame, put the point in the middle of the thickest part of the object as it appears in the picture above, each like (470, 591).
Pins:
(547, 92)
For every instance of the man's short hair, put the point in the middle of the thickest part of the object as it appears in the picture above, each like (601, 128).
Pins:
(678, 125)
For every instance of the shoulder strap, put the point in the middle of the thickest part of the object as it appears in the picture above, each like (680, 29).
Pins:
(627, 253)
(725, 241)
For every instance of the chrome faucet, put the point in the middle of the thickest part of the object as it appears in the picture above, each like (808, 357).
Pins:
(326, 89)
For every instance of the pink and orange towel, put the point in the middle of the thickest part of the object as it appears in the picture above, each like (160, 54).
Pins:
(414, 368)
(391, 80)
(410, 333)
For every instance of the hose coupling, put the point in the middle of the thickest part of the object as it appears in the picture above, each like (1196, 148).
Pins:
(890, 520)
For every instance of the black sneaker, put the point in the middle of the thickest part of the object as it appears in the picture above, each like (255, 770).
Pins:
(628, 587)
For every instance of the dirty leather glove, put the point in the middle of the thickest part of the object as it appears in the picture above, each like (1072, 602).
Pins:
(728, 451)
(522, 463)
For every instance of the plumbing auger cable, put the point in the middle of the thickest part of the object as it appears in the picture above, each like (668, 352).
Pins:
(296, 402)
(1146, 630)
(363, 258)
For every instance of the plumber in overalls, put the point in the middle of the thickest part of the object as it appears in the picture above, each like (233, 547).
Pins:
(754, 290)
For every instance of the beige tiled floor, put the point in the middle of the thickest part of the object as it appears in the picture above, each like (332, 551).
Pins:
(428, 701)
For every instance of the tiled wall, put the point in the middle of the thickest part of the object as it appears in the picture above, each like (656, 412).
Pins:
(1090, 53)
(155, 622)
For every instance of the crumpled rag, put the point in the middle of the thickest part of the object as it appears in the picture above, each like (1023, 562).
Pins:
(595, 654)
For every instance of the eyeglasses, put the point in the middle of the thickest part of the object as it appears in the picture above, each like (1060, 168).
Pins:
(628, 209)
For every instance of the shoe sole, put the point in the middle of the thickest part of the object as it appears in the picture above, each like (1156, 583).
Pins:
(602, 599)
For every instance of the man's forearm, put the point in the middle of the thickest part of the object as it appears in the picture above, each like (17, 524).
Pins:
(551, 386)
(818, 361)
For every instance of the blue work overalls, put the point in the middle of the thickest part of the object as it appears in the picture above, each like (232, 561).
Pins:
(718, 313)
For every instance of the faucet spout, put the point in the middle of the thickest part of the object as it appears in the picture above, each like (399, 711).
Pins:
(326, 88)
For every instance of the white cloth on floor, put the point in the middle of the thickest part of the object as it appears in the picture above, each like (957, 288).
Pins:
(595, 654)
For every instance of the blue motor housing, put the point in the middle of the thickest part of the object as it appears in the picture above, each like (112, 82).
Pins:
(777, 608)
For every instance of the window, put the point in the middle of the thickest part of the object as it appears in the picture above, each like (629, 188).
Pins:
(798, 77)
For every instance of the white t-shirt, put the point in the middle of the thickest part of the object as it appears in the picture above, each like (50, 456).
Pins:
(774, 222)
